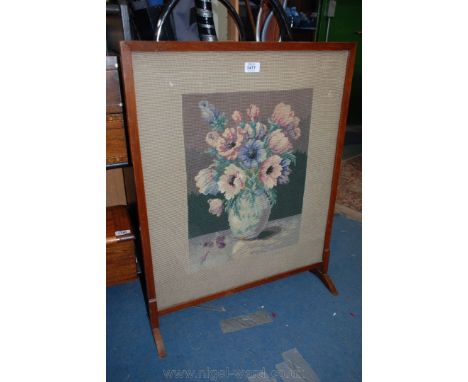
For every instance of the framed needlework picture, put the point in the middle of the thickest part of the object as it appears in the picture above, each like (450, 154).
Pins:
(236, 151)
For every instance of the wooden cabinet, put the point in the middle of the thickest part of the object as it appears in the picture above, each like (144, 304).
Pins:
(120, 247)
(116, 143)
(120, 240)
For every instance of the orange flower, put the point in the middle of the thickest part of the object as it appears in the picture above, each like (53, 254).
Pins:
(253, 111)
(284, 116)
(236, 117)
(230, 142)
(279, 143)
(212, 138)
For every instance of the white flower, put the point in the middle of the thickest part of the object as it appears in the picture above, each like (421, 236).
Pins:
(205, 181)
(261, 130)
(216, 206)
(270, 171)
(208, 111)
(232, 182)
(248, 131)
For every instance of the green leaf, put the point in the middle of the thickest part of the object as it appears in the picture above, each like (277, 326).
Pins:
(219, 123)
(251, 182)
(229, 204)
(273, 126)
(221, 164)
(212, 152)
(272, 196)
(290, 156)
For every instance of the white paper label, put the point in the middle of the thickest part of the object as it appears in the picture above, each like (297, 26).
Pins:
(123, 232)
(252, 67)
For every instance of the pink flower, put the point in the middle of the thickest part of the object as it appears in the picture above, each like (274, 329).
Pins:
(279, 143)
(270, 170)
(253, 111)
(236, 117)
(232, 182)
(284, 116)
(216, 207)
(212, 138)
(230, 142)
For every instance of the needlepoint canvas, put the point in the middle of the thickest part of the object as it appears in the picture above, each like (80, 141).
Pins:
(246, 159)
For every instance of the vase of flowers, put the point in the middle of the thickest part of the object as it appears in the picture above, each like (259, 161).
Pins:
(251, 158)
(251, 218)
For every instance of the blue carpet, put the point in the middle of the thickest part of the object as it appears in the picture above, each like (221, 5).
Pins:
(325, 329)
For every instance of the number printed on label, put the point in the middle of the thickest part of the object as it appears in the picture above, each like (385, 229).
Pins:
(122, 232)
(252, 67)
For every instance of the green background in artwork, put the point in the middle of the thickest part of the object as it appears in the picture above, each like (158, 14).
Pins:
(289, 203)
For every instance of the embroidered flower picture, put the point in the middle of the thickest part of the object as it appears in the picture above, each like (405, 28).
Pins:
(250, 159)
(246, 159)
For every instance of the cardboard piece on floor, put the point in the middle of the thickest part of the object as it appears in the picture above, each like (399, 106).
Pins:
(246, 321)
(213, 308)
(295, 368)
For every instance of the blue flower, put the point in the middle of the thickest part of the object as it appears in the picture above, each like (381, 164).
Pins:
(285, 171)
(209, 113)
(252, 154)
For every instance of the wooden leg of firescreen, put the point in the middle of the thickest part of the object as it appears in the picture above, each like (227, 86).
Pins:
(326, 279)
(159, 342)
(154, 319)
(322, 274)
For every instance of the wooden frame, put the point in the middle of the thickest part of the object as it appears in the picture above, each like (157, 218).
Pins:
(320, 268)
